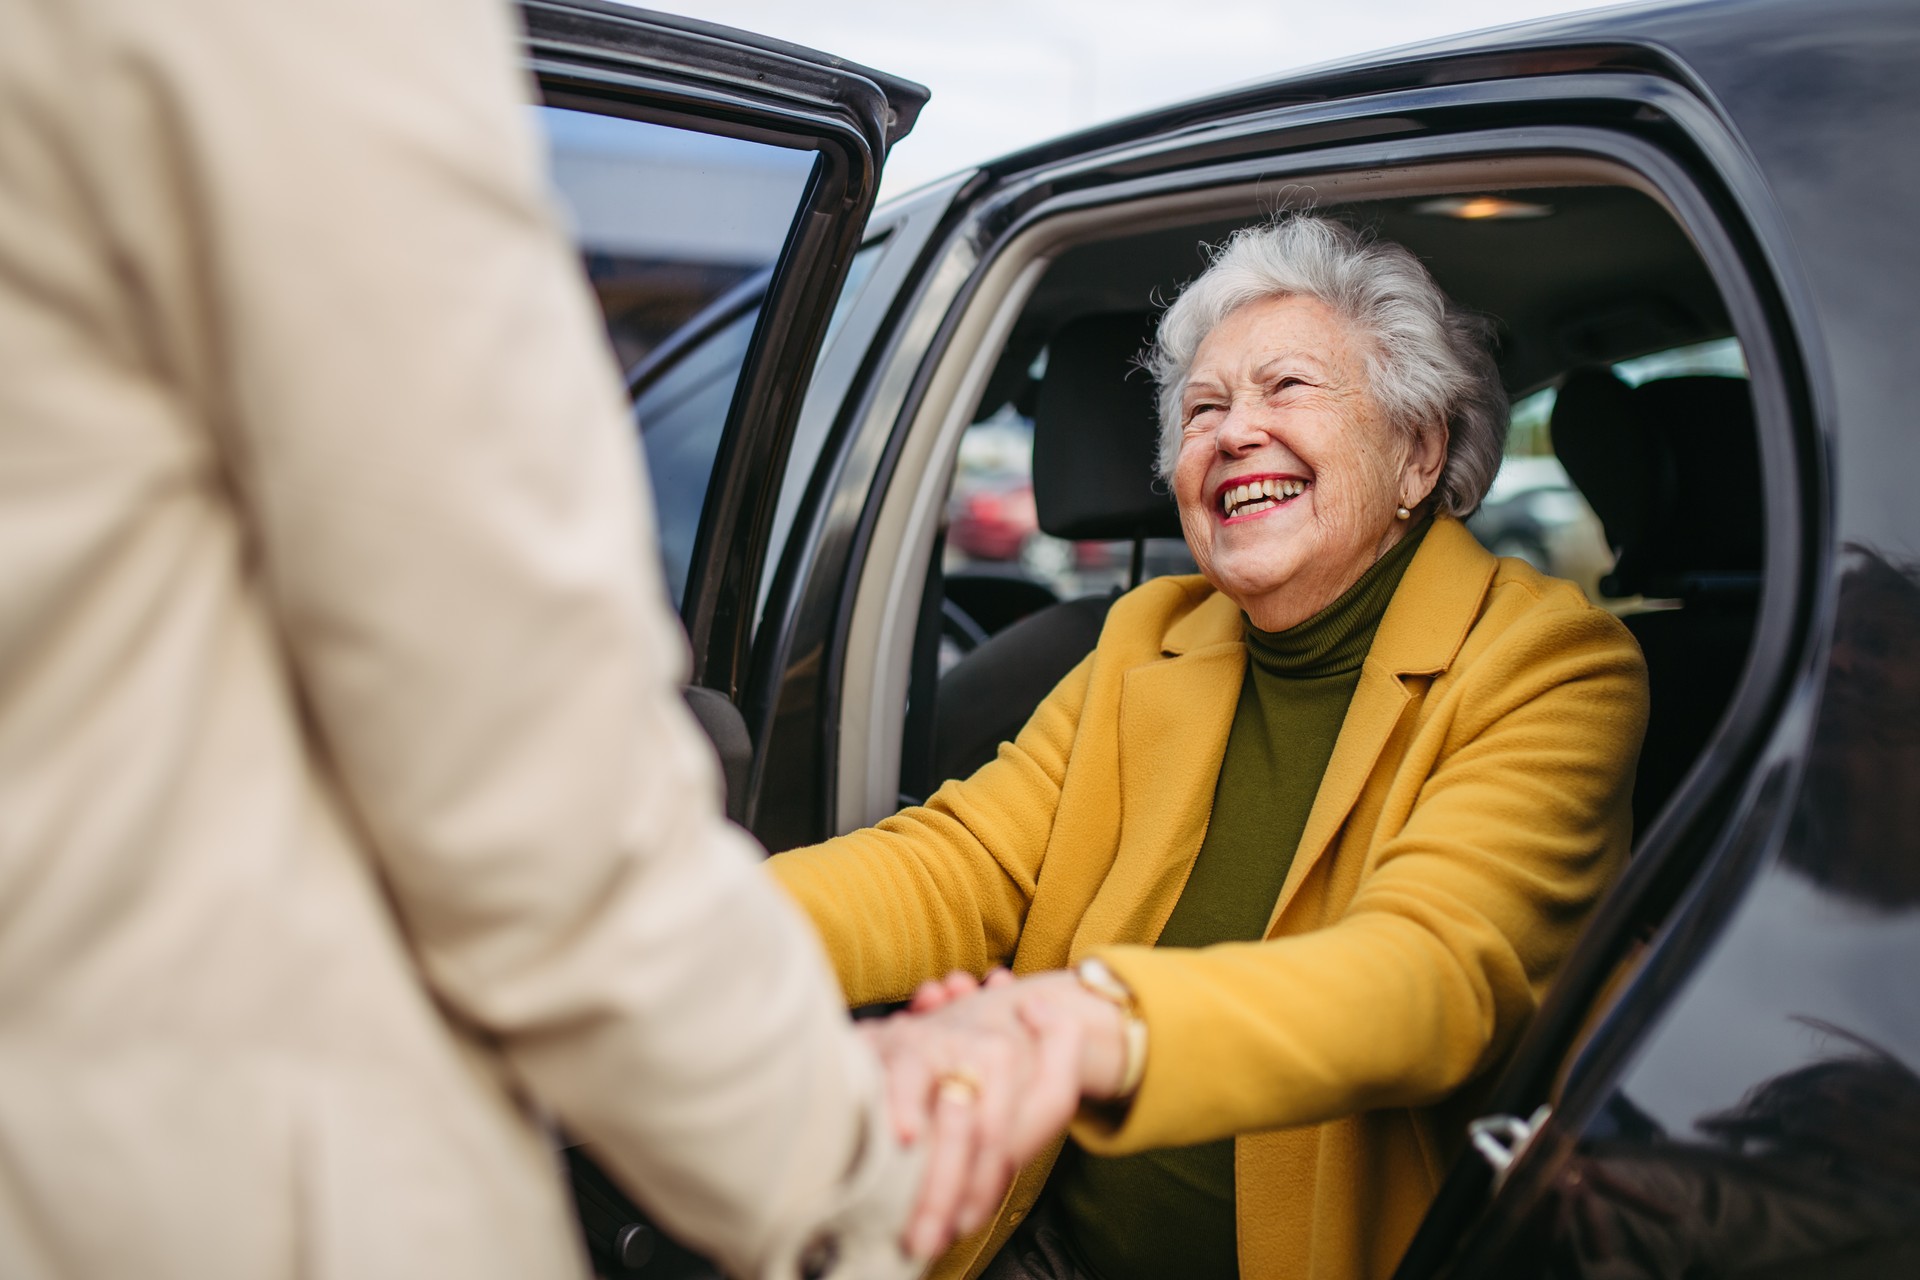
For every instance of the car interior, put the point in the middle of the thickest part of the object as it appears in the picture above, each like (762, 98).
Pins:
(1613, 342)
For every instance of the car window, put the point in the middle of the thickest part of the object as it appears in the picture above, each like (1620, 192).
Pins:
(681, 414)
(680, 408)
(1534, 512)
(669, 221)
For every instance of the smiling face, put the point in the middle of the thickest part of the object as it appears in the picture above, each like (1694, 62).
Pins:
(1289, 473)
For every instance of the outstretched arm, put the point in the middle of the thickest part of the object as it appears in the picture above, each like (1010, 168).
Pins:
(943, 886)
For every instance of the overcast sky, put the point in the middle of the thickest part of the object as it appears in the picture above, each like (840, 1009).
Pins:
(1005, 73)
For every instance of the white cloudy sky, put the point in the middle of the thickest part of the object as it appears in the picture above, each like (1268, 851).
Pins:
(1008, 72)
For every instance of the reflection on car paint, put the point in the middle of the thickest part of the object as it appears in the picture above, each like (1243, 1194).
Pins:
(1773, 1120)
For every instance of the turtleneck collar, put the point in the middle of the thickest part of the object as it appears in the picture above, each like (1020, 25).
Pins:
(1336, 639)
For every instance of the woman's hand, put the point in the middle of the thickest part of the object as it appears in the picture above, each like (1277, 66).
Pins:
(991, 1073)
(937, 993)
(1102, 1029)
(986, 1097)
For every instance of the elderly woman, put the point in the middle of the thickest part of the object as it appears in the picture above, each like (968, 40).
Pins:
(1306, 837)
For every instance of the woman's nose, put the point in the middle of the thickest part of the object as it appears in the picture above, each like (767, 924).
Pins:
(1242, 430)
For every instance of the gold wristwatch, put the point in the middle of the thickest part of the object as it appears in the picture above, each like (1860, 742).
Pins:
(1097, 978)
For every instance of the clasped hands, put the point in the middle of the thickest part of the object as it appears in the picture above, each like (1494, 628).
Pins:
(987, 1074)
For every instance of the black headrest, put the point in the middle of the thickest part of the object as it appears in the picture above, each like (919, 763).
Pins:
(1096, 432)
(1672, 468)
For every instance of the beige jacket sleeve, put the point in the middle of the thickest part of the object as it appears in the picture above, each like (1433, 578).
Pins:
(431, 450)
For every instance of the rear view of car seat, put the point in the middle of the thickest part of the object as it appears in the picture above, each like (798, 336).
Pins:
(1095, 435)
(1672, 468)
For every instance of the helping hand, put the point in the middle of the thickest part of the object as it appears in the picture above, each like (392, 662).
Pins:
(989, 1074)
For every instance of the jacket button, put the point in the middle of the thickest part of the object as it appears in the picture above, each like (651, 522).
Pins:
(817, 1259)
(633, 1247)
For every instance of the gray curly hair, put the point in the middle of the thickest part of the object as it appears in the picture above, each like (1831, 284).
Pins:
(1427, 360)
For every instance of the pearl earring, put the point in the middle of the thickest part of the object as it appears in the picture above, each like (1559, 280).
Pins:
(1401, 513)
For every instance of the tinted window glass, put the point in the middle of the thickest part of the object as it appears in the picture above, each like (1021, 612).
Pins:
(1535, 512)
(668, 220)
(681, 414)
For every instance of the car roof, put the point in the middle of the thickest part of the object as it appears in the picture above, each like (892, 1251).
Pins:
(1665, 38)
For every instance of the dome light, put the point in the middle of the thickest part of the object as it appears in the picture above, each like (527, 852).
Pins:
(1481, 208)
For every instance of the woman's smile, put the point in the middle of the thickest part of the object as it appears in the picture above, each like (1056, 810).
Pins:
(1245, 498)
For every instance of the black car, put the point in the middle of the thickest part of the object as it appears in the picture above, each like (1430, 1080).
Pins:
(1692, 226)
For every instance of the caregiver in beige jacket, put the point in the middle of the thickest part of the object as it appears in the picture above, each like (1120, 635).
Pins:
(349, 812)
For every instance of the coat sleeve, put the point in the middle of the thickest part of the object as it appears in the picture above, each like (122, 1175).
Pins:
(944, 885)
(1462, 920)
(418, 419)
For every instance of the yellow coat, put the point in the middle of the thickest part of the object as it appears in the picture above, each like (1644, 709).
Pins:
(1475, 808)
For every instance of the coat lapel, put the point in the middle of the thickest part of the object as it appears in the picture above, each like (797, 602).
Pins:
(1175, 714)
(1420, 635)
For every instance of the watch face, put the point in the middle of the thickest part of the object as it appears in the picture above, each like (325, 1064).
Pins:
(1103, 982)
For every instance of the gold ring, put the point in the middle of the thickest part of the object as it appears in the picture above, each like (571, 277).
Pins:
(958, 1084)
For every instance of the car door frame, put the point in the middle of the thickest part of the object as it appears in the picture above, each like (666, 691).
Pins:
(1625, 103)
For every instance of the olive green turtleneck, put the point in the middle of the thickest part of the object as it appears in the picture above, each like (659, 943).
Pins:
(1170, 1212)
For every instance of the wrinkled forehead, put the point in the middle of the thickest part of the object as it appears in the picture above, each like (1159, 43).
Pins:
(1274, 335)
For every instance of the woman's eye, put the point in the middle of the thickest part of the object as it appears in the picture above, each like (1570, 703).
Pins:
(1198, 411)
(1283, 384)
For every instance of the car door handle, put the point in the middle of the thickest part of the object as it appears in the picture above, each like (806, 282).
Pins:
(1501, 1140)
(726, 728)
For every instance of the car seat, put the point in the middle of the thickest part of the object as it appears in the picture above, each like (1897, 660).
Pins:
(1672, 468)
(1095, 436)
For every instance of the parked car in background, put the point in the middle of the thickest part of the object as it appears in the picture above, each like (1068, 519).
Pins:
(990, 512)
(1722, 1081)
(1535, 513)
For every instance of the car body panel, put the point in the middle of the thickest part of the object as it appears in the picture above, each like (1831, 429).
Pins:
(1796, 947)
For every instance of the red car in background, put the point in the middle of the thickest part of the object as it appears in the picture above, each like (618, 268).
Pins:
(993, 521)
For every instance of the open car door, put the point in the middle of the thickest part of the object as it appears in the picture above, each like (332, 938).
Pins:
(718, 184)
(694, 158)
